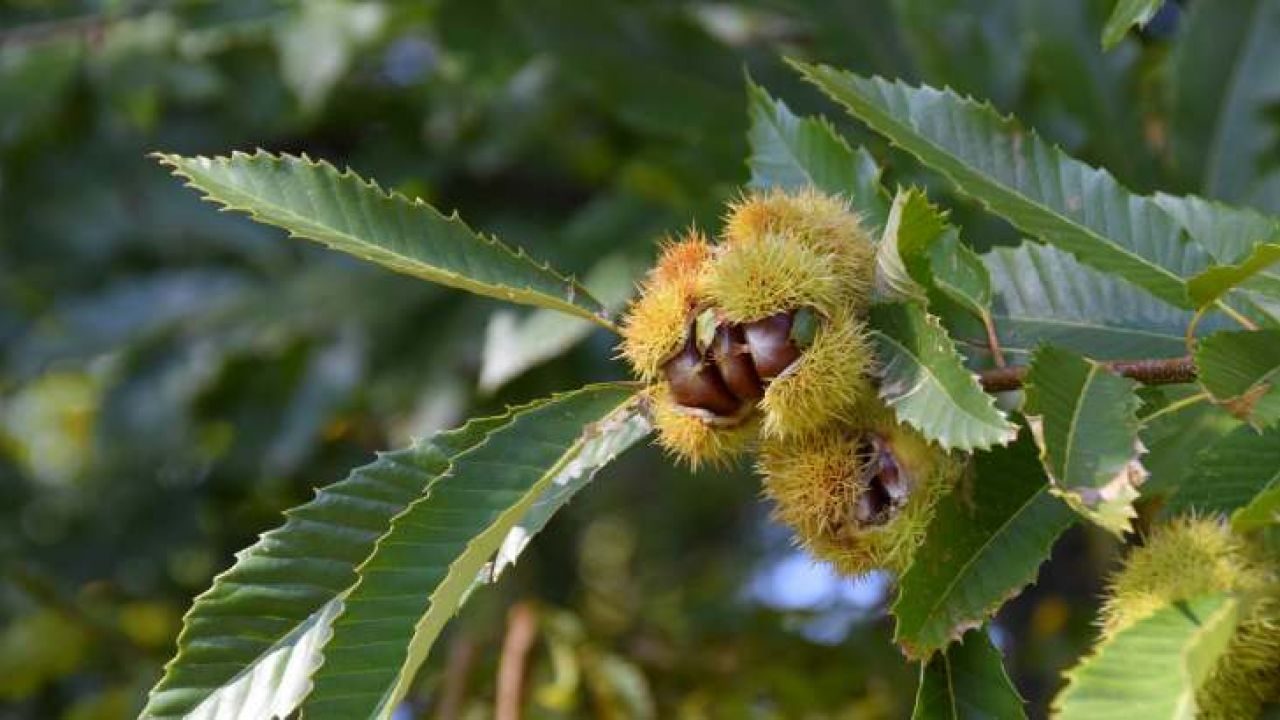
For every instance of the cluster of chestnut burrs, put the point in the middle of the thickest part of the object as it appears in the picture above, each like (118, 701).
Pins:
(758, 341)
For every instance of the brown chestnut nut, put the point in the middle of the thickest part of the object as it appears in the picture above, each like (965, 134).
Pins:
(732, 356)
(771, 346)
(697, 384)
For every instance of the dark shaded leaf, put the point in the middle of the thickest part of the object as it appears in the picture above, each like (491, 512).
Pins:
(985, 543)
(967, 682)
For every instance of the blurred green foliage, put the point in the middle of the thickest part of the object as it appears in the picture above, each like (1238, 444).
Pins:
(171, 378)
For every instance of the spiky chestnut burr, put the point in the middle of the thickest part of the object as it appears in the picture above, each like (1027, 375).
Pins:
(766, 321)
(859, 496)
(714, 382)
(1190, 557)
(784, 251)
(657, 323)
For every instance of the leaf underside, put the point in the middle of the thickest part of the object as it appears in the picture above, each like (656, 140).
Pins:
(1153, 668)
(316, 201)
(423, 568)
(1042, 295)
(262, 621)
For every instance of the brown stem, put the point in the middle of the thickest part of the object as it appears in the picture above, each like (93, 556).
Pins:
(522, 631)
(1148, 372)
(462, 656)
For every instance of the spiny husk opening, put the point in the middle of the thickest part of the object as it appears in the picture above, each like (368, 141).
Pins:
(765, 323)
(1193, 556)
(696, 436)
(859, 498)
(826, 385)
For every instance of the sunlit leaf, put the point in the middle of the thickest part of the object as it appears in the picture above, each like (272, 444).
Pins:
(927, 384)
(985, 543)
(1153, 668)
(251, 642)
(1020, 177)
(315, 201)
(1263, 512)
(967, 681)
(903, 269)
(1213, 283)
(494, 497)
(1230, 233)
(1085, 421)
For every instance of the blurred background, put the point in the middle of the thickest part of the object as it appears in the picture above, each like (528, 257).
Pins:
(172, 377)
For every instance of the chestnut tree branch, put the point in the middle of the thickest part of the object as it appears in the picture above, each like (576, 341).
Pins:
(1148, 372)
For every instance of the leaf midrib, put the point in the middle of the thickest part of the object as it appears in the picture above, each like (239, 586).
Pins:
(428, 623)
(1069, 450)
(247, 202)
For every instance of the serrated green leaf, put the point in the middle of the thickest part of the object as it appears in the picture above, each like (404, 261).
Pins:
(984, 544)
(1222, 79)
(903, 269)
(1020, 177)
(792, 152)
(1230, 473)
(250, 643)
(1125, 15)
(1086, 423)
(493, 498)
(925, 382)
(959, 273)
(1212, 284)
(315, 201)
(967, 682)
(1153, 668)
(1241, 370)
(1042, 295)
